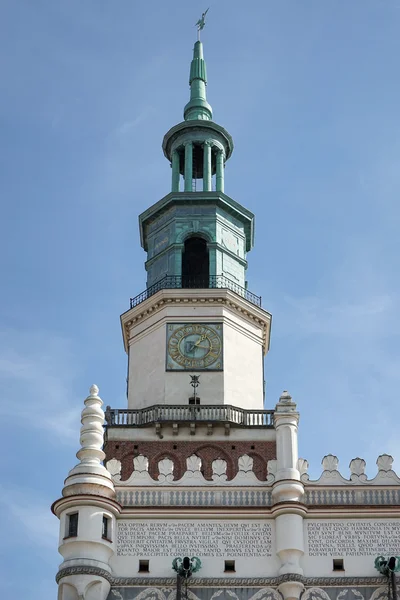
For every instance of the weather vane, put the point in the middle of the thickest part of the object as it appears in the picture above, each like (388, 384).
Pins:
(201, 23)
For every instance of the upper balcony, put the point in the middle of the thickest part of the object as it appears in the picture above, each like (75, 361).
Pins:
(211, 282)
(168, 413)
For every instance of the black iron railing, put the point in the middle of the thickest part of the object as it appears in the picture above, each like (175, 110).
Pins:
(212, 282)
(176, 413)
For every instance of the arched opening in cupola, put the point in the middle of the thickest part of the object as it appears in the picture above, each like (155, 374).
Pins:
(195, 264)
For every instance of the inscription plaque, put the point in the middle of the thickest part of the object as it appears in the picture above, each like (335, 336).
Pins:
(194, 538)
(353, 538)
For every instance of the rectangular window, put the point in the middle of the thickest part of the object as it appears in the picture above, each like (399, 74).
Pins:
(230, 566)
(144, 566)
(338, 564)
(72, 525)
(106, 531)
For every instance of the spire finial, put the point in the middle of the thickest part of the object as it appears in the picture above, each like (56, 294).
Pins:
(198, 107)
(201, 23)
(90, 469)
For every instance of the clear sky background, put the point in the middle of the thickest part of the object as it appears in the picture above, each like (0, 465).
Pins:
(310, 92)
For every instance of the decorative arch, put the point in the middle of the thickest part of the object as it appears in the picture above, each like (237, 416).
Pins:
(179, 467)
(259, 465)
(202, 233)
(207, 457)
(127, 463)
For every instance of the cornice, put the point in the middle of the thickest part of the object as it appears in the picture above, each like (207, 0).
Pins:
(193, 126)
(83, 500)
(195, 297)
(222, 581)
(341, 511)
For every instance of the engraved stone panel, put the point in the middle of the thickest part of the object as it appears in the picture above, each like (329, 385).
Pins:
(205, 539)
(353, 538)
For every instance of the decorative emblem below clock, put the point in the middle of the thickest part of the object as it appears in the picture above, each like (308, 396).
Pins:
(194, 346)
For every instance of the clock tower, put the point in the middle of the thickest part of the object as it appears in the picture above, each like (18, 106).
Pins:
(184, 477)
(194, 491)
(196, 315)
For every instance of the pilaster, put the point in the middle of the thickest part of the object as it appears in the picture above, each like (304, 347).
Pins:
(287, 494)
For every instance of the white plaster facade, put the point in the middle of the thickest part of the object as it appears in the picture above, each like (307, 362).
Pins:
(274, 530)
(246, 330)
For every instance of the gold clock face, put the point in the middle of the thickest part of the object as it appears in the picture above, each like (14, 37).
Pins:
(194, 346)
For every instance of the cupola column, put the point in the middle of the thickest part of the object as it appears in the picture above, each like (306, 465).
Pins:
(188, 167)
(175, 171)
(207, 172)
(220, 171)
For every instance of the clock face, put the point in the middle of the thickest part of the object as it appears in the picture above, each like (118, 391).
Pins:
(194, 346)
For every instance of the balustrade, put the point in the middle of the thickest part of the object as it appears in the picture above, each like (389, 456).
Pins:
(212, 282)
(160, 413)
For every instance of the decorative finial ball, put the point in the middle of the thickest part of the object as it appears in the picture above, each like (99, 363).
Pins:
(94, 390)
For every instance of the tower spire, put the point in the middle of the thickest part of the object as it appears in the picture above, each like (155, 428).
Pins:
(198, 107)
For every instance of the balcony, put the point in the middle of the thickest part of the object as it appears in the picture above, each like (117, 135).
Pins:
(212, 282)
(209, 414)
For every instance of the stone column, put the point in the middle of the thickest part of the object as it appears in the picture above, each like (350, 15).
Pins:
(175, 171)
(220, 171)
(188, 167)
(207, 169)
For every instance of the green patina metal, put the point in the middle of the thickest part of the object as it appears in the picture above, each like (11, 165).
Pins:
(197, 206)
(227, 227)
(386, 566)
(198, 107)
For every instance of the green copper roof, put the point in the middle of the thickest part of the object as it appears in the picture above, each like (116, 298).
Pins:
(198, 107)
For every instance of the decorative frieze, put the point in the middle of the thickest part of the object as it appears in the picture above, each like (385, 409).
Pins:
(243, 463)
(194, 498)
(376, 585)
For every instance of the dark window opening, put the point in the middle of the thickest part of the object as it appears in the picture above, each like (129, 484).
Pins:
(193, 400)
(72, 525)
(106, 530)
(230, 566)
(144, 566)
(338, 564)
(198, 164)
(195, 264)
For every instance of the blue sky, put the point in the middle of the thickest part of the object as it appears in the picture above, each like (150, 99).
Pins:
(310, 93)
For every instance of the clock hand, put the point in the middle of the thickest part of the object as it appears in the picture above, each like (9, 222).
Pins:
(201, 339)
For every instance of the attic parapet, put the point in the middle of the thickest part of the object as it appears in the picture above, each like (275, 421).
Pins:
(331, 476)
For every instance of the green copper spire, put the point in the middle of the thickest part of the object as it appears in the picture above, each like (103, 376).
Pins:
(198, 108)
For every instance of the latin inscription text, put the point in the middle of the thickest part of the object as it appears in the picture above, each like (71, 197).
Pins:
(194, 539)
